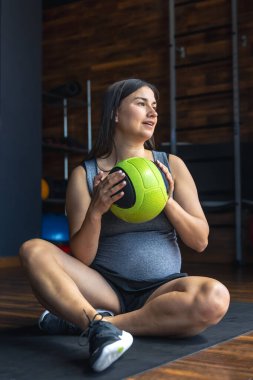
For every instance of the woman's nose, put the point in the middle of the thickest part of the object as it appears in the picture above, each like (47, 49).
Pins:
(152, 112)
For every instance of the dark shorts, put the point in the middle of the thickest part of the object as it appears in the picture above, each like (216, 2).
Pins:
(132, 295)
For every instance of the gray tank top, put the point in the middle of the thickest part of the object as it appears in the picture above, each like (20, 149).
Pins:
(141, 252)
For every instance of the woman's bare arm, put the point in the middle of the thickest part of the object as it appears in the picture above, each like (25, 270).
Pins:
(85, 212)
(184, 210)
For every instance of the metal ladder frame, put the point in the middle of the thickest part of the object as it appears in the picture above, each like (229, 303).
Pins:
(236, 113)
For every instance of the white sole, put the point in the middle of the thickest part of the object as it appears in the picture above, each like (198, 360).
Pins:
(113, 352)
(42, 317)
(99, 311)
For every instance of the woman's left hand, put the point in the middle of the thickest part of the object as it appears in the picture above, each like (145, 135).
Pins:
(168, 176)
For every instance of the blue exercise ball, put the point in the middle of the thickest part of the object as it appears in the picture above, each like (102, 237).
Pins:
(55, 228)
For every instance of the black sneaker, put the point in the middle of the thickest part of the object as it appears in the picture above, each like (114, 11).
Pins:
(51, 324)
(106, 344)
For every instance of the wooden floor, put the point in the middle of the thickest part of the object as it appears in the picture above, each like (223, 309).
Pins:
(229, 361)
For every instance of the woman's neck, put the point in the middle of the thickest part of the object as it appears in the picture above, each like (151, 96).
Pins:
(124, 151)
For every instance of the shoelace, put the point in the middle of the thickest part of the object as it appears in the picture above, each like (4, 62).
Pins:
(85, 333)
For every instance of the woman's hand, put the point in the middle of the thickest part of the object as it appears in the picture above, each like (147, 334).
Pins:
(107, 190)
(168, 176)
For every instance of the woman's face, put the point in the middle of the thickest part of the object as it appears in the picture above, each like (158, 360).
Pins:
(136, 116)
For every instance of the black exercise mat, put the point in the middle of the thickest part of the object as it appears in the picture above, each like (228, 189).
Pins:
(27, 354)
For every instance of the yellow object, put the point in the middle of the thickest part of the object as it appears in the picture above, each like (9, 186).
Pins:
(44, 189)
(145, 191)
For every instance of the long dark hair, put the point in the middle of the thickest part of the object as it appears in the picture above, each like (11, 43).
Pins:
(114, 95)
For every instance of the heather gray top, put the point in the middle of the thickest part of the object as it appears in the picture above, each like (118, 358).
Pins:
(141, 252)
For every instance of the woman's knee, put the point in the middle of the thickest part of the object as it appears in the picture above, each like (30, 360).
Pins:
(30, 250)
(210, 303)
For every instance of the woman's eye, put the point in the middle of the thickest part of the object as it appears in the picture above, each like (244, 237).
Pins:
(141, 104)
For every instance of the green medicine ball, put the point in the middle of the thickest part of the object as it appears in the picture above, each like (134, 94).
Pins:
(145, 192)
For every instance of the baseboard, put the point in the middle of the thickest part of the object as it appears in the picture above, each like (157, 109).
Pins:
(10, 261)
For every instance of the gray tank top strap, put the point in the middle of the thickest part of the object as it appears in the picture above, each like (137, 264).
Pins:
(90, 167)
(161, 156)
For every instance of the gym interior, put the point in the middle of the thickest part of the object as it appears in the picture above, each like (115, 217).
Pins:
(56, 59)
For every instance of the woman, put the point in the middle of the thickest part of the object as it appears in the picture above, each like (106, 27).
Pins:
(132, 270)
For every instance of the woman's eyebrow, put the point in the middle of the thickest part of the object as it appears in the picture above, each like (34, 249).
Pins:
(142, 98)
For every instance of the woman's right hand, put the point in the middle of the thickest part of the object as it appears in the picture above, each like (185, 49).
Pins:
(107, 190)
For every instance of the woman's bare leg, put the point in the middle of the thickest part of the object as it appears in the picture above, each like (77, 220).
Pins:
(182, 307)
(64, 285)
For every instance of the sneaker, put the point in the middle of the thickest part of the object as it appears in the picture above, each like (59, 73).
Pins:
(105, 313)
(106, 343)
(51, 324)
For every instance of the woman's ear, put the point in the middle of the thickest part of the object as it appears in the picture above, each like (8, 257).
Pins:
(116, 117)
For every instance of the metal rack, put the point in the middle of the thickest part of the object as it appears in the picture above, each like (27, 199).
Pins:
(64, 101)
(236, 111)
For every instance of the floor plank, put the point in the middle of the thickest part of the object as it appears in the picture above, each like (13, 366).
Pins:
(231, 361)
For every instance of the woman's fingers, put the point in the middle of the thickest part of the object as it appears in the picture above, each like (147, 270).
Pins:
(116, 191)
(98, 178)
(167, 175)
(108, 189)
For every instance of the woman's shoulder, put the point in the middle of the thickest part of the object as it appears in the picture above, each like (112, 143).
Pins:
(177, 164)
(78, 174)
(175, 160)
